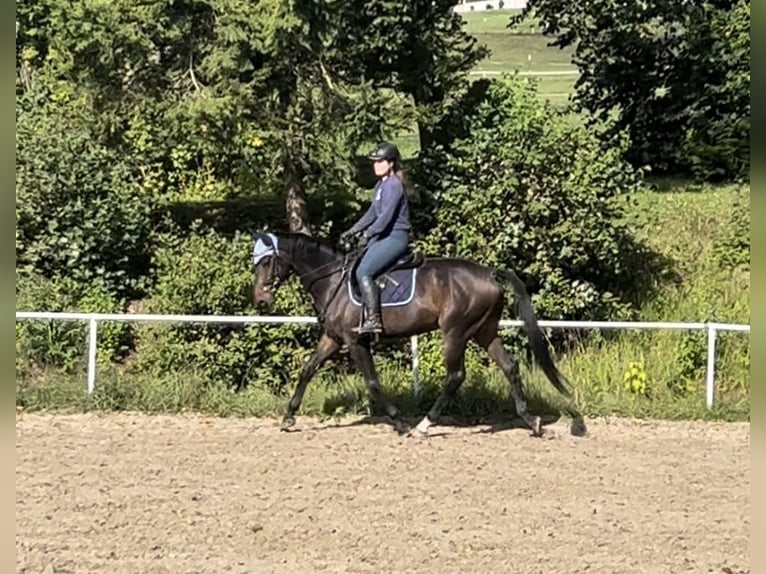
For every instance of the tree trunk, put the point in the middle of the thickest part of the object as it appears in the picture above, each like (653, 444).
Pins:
(295, 204)
(296, 208)
(424, 94)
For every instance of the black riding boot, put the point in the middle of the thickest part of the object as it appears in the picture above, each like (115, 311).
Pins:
(371, 300)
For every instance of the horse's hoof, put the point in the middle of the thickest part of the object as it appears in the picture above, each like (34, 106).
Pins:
(535, 423)
(287, 424)
(401, 428)
(577, 427)
(418, 434)
(421, 430)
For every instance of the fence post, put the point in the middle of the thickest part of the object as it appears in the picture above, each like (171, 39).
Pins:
(710, 375)
(415, 366)
(92, 340)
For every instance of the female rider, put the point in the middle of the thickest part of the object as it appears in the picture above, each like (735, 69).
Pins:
(385, 227)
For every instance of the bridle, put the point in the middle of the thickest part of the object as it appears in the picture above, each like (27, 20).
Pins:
(275, 281)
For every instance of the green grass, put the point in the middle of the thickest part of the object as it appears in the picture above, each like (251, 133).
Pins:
(521, 48)
(496, 22)
(527, 53)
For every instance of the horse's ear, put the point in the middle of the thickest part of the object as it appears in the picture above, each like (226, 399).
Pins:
(254, 234)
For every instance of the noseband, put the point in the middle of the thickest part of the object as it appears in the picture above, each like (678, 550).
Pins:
(275, 281)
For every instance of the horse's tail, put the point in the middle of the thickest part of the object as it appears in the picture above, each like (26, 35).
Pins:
(535, 334)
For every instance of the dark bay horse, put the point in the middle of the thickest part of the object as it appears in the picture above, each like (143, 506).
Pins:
(463, 299)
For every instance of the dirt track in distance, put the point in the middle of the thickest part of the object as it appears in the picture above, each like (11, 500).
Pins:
(170, 494)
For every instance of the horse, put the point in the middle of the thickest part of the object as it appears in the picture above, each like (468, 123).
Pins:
(459, 297)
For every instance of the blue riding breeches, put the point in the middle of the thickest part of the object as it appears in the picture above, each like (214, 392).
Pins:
(382, 253)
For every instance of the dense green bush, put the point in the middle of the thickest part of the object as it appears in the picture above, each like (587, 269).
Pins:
(521, 186)
(208, 274)
(79, 211)
(716, 141)
(62, 344)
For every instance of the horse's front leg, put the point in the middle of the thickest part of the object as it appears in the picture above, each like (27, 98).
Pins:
(326, 348)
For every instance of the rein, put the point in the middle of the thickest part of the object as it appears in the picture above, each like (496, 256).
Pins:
(338, 283)
(275, 282)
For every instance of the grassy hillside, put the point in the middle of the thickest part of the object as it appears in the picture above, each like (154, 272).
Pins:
(522, 48)
(691, 226)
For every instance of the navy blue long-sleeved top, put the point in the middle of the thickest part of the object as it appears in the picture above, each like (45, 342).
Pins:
(388, 212)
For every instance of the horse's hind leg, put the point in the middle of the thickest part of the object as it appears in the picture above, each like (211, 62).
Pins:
(454, 356)
(363, 359)
(510, 367)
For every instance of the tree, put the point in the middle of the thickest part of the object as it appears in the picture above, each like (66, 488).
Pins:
(520, 186)
(271, 99)
(675, 74)
(80, 214)
(224, 87)
(417, 47)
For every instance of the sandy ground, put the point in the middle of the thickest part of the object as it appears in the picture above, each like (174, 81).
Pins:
(151, 494)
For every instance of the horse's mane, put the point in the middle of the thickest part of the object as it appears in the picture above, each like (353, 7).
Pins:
(310, 246)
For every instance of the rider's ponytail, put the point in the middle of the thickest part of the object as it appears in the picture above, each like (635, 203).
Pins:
(399, 172)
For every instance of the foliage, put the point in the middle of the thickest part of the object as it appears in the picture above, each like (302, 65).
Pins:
(733, 250)
(635, 379)
(206, 274)
(684, 224)
(211, 112)
(716, 142)
(78, 210)
(692, 357)
(151, 135)
(521, 187)
(675, 74)
(689, 225)
(61, 344)
(223, 98)
(418, 48)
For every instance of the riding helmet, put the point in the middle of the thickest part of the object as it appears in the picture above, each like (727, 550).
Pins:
(387, 151)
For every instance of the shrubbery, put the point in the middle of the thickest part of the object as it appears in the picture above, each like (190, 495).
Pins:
(208, 274)
(80, 212)
(62, 344)
(734, 249)
(521, 186)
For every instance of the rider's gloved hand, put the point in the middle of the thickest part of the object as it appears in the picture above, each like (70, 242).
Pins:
(346, 240)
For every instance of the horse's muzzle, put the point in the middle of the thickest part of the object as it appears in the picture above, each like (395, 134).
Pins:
(263, 296)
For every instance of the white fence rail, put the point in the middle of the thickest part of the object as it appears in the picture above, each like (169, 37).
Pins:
(93, 318)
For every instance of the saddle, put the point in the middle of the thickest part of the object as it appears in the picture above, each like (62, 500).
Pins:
(410, 260)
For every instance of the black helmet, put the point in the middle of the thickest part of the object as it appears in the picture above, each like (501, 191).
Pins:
(387, 151)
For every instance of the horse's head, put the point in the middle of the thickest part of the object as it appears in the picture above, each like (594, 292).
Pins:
(271, 267)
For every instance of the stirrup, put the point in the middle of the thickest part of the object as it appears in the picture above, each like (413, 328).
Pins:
(371, 324)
